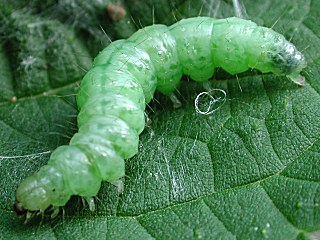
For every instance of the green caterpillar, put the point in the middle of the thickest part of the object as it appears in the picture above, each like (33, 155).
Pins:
(124, 76)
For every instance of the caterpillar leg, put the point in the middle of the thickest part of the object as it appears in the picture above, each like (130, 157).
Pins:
(174, 99)
(55, 211)
(29, 216)
(147, 120)
(119, 184)
(91, 203)
(24, 213)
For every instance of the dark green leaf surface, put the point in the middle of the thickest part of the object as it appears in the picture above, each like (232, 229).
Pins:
(249, 171)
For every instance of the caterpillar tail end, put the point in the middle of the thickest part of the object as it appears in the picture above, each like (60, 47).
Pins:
(19, 209)
(27, 215)
(23, 212)
(297, 79)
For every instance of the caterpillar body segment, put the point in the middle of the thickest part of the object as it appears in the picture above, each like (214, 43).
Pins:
(123, 79)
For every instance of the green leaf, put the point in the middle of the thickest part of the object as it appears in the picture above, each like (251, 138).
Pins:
(249, 171)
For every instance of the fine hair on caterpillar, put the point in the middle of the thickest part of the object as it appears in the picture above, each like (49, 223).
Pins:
(114, 93)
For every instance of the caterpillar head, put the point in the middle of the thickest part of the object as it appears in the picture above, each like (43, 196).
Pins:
(290, 62)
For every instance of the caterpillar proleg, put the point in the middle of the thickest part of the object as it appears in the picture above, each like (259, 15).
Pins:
(124, 76)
